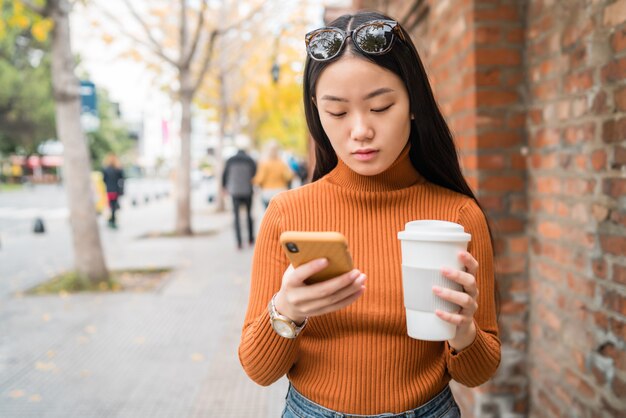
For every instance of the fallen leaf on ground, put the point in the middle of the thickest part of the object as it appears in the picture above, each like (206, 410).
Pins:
(34, 398)
(197, 357)
(16, 394)
(45, 367)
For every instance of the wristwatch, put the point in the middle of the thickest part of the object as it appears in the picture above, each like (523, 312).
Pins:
(284, 326)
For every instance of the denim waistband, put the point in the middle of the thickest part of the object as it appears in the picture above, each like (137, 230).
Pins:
(437, 405)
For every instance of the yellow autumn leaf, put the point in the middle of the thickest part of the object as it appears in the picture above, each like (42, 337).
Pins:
(19, 21)
(41, 29)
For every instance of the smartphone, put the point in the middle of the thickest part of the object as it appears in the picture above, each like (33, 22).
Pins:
(303, 246)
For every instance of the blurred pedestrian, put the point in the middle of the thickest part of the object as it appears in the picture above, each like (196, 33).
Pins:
(237, 182)
(113, 177)
(384, 156)
(273, 176)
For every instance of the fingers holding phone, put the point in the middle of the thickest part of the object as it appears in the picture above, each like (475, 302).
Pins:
(321, 278)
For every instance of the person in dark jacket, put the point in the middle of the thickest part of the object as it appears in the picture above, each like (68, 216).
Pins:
(237, 182)
(113, 177)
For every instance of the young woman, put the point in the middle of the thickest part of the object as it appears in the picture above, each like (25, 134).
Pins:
(385, 156)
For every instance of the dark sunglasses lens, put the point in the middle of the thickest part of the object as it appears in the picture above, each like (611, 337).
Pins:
(375, 38)
(325, 44)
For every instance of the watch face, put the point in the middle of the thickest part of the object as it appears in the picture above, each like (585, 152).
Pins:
(282, 328)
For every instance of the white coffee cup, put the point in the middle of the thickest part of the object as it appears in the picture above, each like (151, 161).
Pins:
(427, 247)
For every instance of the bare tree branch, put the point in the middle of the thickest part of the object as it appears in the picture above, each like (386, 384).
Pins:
(43, 11)
(182, 39)
(196, 36)
(206, 61)
(155, 49)
(209, 50)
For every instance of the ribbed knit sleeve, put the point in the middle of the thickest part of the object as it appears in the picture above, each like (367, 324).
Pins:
(477, 363)
(264, 355)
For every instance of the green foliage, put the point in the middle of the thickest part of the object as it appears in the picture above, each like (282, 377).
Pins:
(111, 136)
(26, 104)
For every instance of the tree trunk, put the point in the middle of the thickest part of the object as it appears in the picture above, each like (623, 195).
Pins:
(183, 176)
(88, 254)
(219, 161)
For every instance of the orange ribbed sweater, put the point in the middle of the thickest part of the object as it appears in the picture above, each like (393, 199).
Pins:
(359, 360)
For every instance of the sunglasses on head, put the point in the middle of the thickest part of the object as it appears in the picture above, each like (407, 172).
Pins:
(374, 38)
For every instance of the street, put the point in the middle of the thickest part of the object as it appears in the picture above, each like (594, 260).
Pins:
(171, 352)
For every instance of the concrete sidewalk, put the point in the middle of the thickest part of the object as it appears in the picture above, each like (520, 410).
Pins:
(168, 353)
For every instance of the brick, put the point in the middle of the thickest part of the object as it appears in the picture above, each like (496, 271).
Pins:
(578, 187)
(516, 120)
(491, 162)
(614, 130)
(507, 57)
(518, 204)
(619, 274)
(578, 57)
(579, 134)
(599, 268)
(577, 83)
(613, 244)
(549, 186)
(615, 302)
(599, 105)
(536, 116)
(545, 138)
(618, 40)
(620, 99)
(519, 162)
(546, 90)
(619, 157)
(540, 26)
(581, 285)
(517, 245)
(614, 187)
(499, 183)
(490, 77)
(600, 212)
(489, 35)
(550, 230)
(615, 13)
(515, 36)
(509, 225)
(615, 70)
(511, 264)
(575, 32)
(598, 160)
(549, 272)
(618, 218)
(499, 139)
(496, 98)
(498, 14)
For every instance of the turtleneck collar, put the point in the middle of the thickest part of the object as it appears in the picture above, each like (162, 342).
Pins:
(401, 174)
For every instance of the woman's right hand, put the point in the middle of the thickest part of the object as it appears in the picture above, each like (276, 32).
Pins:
(298, 301)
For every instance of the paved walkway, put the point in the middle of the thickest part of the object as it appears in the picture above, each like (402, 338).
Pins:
(168, 353)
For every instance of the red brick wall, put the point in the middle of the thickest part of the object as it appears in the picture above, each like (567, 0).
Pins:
(577, 182)
(535, 93)
(473, 52)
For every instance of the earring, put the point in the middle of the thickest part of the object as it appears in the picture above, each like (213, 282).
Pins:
(412, 116)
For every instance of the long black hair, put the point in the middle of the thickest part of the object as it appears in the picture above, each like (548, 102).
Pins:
(433, 152)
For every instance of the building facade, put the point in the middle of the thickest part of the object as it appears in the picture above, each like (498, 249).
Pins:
(535, 94)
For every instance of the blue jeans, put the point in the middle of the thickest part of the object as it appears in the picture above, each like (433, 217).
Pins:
(441, 406)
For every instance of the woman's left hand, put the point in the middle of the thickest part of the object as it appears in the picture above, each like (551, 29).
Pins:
(466, 299)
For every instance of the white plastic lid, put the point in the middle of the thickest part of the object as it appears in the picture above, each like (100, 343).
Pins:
(431, 230)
